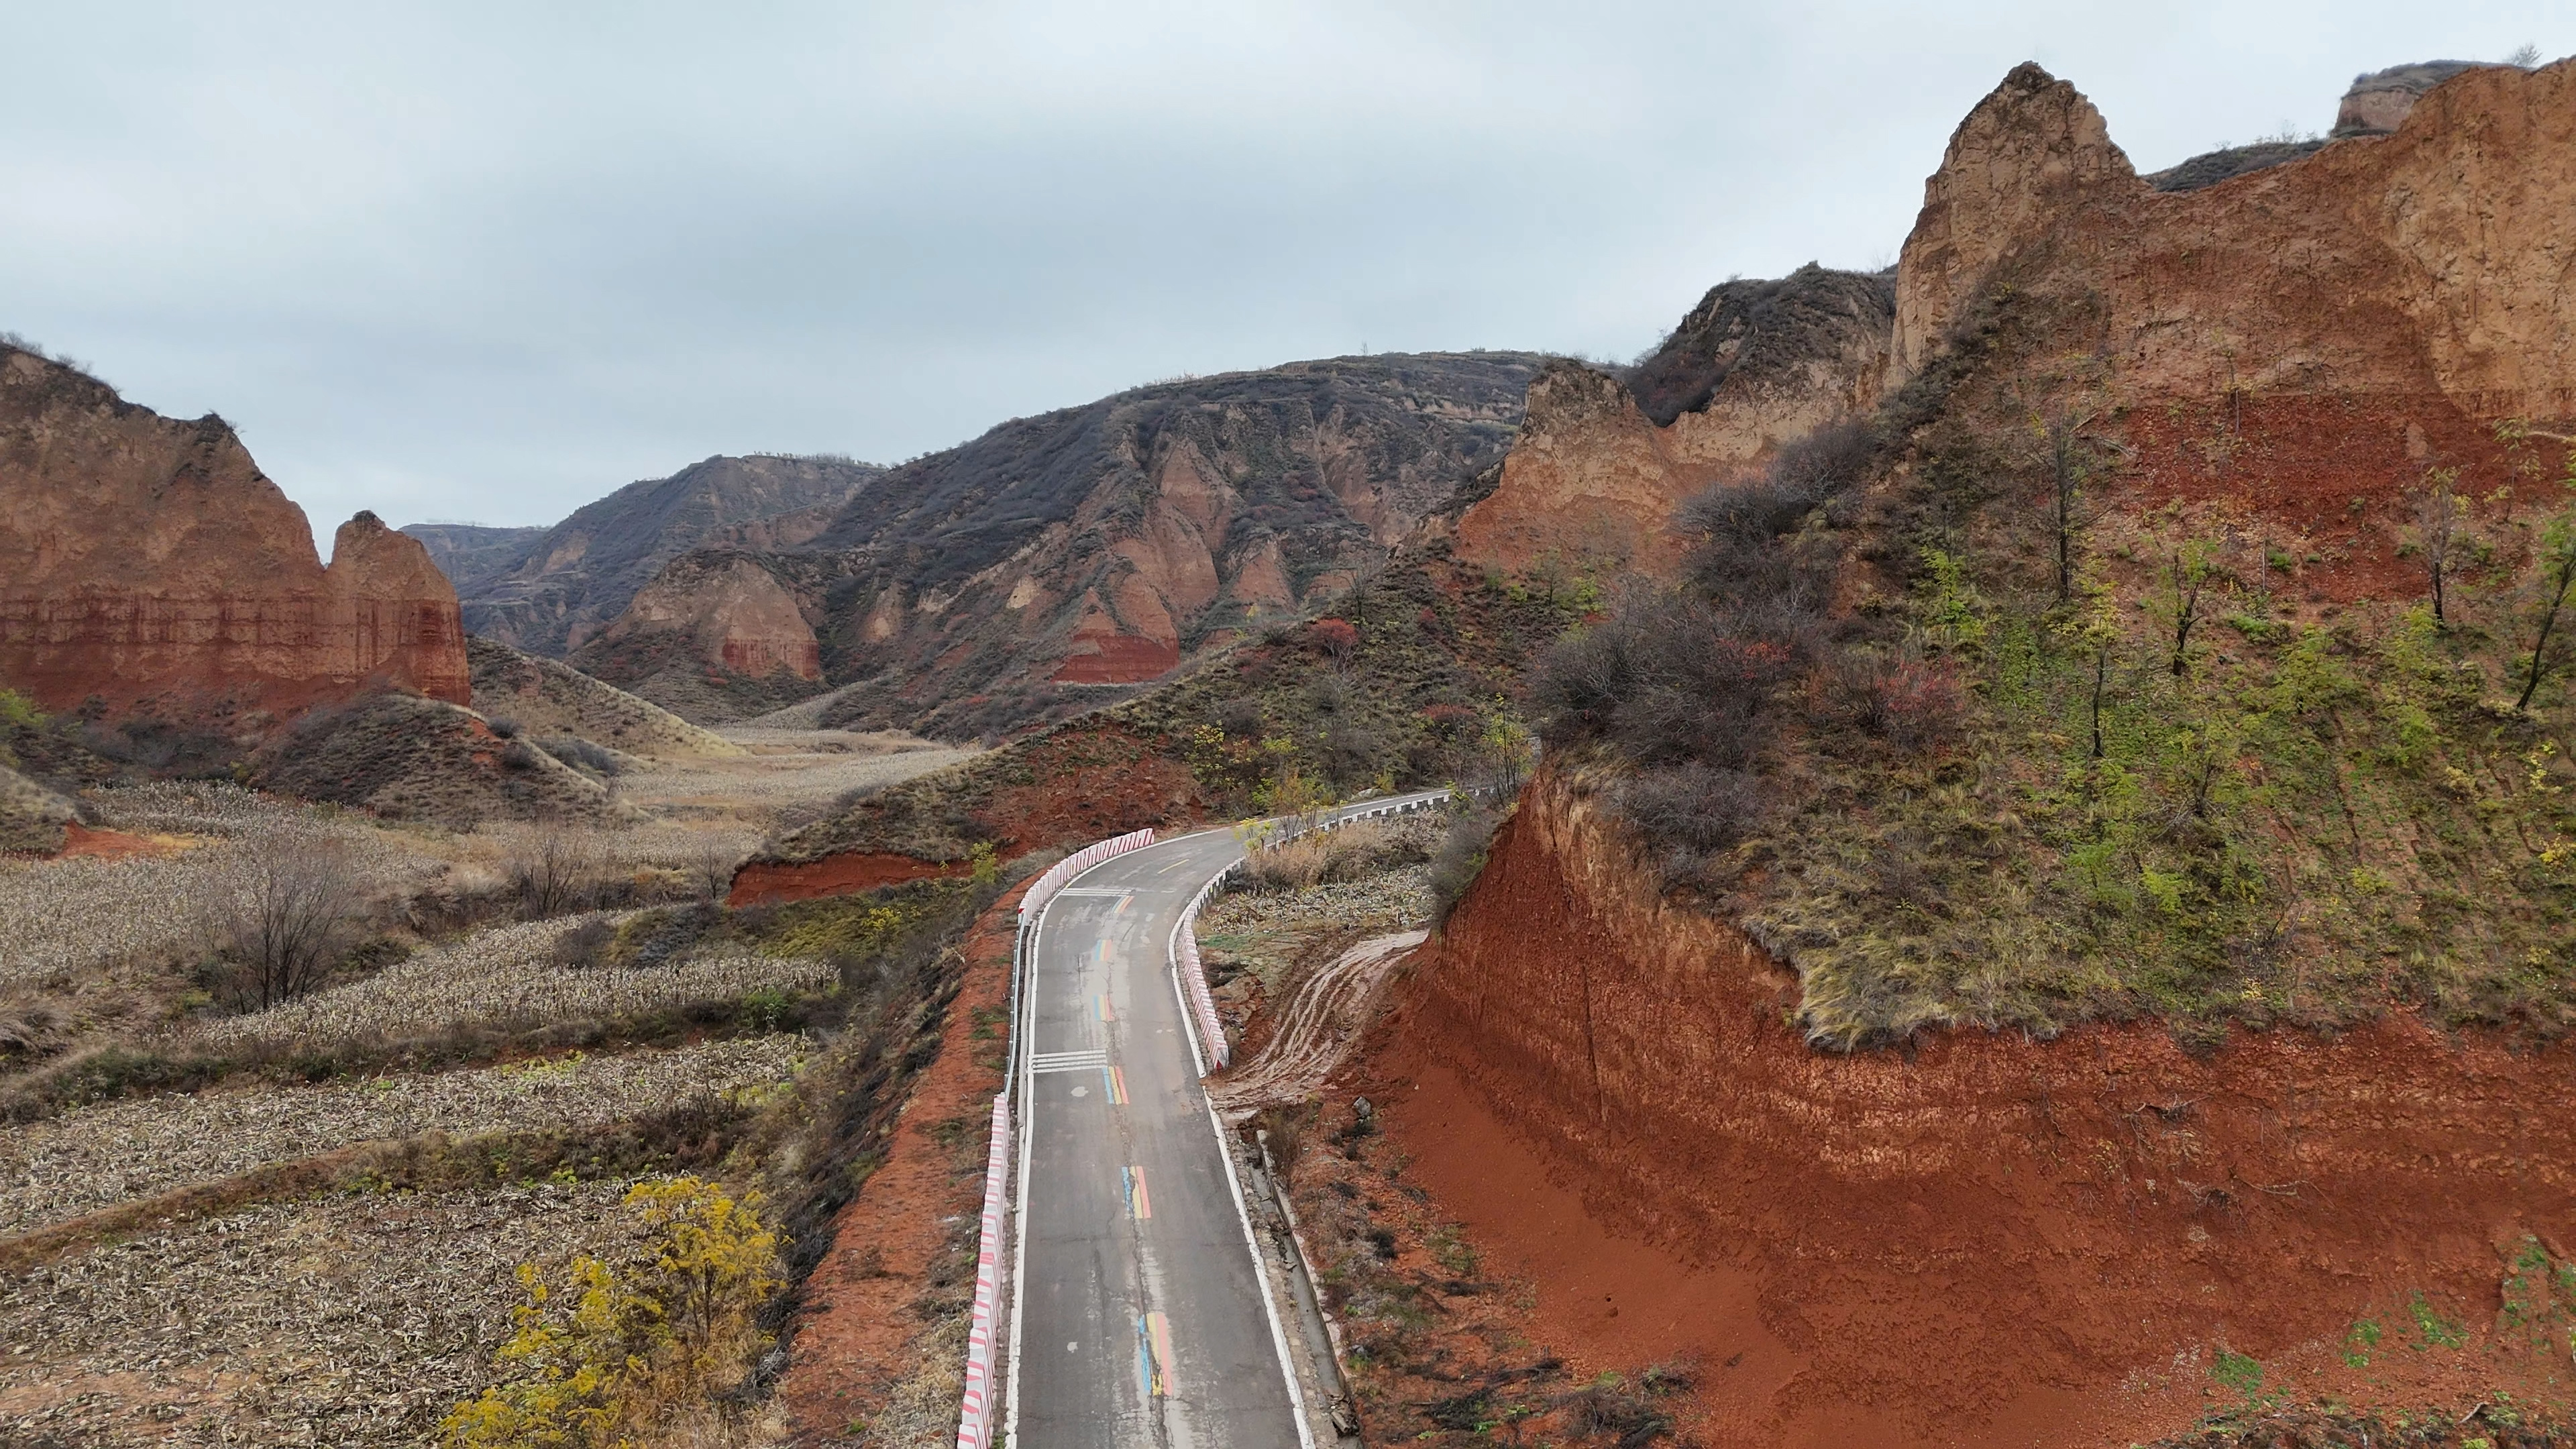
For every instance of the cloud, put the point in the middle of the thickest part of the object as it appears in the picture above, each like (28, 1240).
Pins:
(492, 261)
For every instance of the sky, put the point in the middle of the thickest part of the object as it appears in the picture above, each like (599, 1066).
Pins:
(485, 263)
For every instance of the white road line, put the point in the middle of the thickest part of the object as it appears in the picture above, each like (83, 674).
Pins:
(1234, 1185)
(1068, 1061)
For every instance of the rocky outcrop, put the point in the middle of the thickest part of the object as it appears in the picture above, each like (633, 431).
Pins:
(547, 698)
(2298, 345)
(2424, 265)
(2379, 101)
(1601, 461)
(556, 590)
(471, 554)
(409, 758)
(145, 559)
(1867, 1214)
(717, 636)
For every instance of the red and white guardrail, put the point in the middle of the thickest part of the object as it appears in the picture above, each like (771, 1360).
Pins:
(975, 1415)
(1043, 889)
(1185, 956)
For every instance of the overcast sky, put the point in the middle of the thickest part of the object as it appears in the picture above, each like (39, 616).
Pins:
(489, 262)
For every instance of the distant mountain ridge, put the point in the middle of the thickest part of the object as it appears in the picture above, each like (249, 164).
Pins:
(1017, 577)
(547, 590)
(472, 553)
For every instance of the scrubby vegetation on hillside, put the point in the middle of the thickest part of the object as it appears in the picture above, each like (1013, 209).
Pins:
(1415, 681)
(1966, 729)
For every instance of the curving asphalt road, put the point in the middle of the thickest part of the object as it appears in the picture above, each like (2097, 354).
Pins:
(1140, 1314)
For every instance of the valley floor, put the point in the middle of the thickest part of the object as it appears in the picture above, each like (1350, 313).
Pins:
(311, 1223)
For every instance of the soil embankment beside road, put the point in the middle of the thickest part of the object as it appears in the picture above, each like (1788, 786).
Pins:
(1981, 1238)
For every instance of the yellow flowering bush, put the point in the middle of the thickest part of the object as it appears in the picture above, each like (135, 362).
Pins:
(598, 1349)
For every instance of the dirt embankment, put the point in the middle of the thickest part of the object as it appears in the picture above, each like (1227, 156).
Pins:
(879, 1350)
(1979, 1240)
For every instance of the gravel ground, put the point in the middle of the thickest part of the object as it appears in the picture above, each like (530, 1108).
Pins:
(349, 1322)
(93, 1157)
(1265, 932)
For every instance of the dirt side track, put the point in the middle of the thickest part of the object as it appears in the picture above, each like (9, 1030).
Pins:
(1324, 1020)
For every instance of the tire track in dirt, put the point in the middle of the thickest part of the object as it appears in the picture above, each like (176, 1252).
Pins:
(1323, 1022)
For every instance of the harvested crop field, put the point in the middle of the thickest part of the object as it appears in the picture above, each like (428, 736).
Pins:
(1269, 932)
(507, 977)
(89, 1158)
(347, 1322)
(784, 770)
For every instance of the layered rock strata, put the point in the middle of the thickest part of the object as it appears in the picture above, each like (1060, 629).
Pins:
(2147, 1206)
(146, 559)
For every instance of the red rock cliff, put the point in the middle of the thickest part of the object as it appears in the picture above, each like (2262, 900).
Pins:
(142, 558)
(1600, 461)
(2092, 1212)
(2427, 266)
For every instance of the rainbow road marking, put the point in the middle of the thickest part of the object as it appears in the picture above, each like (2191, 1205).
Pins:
(1114, 1082)
(1154, 1353)
(1140, 1205)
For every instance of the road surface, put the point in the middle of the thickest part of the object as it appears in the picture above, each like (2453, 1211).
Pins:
(1139, 1315)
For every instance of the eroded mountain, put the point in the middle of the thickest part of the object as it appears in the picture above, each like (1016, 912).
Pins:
(550, 590)
(1051, 563)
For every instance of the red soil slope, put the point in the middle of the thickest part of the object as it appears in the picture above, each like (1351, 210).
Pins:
(764, 883)
(860, 1336)
(1988, 1239)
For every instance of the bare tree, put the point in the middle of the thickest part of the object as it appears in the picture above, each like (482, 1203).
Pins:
(551, 870)
(2437, 524)
(1366, 572)
(2186, 578)
(2071, 457)
(2557, 577)
(293, 909)
(711, 866)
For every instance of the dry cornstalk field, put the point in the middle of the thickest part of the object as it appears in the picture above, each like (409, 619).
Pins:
(291, 1313)
(91, 1157)
(352, 1321)
(508, 978)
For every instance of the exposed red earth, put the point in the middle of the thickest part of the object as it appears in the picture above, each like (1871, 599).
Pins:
(767, 883)
(1982, 1239)
(859, 1335)
(143, 559)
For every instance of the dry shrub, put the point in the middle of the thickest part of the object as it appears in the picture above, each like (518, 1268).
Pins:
(291, 907)
(1460, 856)
(1352, 852)
(1605, 1408)
(1909, 702)
(554, 871)
(1694, 811)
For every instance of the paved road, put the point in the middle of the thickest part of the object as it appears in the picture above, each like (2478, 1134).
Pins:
(1140, 1316)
